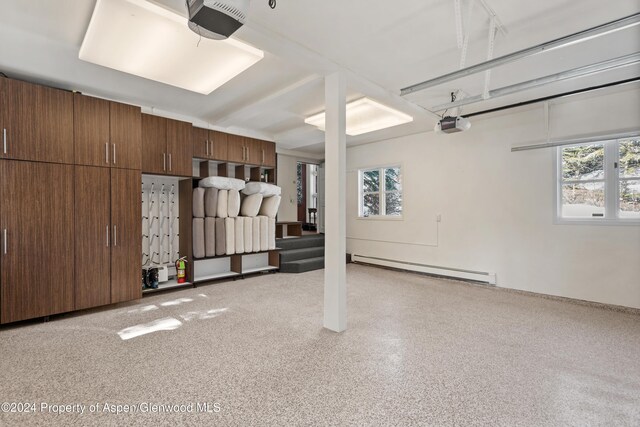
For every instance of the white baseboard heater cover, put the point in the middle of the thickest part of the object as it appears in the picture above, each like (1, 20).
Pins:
(458, 273)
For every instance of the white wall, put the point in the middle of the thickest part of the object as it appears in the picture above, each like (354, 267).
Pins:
(497, 206)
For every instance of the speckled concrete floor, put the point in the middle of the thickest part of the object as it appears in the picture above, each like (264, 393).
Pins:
(419, 351)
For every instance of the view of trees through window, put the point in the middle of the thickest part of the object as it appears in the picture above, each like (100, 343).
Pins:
(381, 192)
(584, 179)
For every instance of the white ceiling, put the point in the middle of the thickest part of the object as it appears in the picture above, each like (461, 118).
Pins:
(383, 46)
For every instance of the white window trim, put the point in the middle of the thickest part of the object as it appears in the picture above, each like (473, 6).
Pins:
(361, 194)
(611, 188)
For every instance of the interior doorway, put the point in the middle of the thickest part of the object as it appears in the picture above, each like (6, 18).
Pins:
(308, 197)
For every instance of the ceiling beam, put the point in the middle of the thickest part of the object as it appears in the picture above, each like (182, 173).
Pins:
(578, 37)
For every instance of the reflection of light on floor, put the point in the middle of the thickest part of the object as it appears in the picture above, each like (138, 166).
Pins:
(203, 296)
(176, 302)
(144, 309)
(166, 324)
(203, 315)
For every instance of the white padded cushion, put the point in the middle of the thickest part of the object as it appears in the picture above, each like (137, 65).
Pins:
(266, 189)
(198, 238)
(211, 202)
(270, 206)
(251, 205)
(239, 224)
(221, 239)
(198, 202)
(223, 204)
(264, 233)
(210, 236)
(272, 233)
(229, 225)
(222, 183)
(248, 233)
(233, 204)
(256, 234)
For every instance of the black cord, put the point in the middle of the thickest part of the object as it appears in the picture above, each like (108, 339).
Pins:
(453, 99)
(272, 4)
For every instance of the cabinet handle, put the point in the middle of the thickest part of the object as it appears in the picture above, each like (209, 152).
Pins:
(206, 144)
(107, 236)
(106, 152)
(115, 236)
(114, 154)
(4, 233)
(4, 140)
(169, 161)
(263, 156)
(211, 149)
(164, 161)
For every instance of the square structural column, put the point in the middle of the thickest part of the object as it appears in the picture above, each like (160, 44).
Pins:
(335, 273)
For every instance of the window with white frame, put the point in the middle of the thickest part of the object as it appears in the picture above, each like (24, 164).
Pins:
(599, 181)
(380, 192)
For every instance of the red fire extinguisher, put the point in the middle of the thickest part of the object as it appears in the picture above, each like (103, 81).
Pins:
(181, 269)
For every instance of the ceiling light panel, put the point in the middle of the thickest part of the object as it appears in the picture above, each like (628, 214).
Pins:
(365, 115)
(146, 40)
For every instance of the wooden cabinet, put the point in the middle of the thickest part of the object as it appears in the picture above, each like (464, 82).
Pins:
(209, 144)
(36, 122)
(167, 146)
(108, 236)
(106, 133)
(37, 256)
(219, 145)
(254, 152)
(201, 144)
(235, 149)
(92, 236)
(268, 154)
(126, 235)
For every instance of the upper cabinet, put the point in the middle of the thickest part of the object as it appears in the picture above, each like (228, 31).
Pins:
(268, 154)
(106, 133)
(167, 146)
(36, 122)
(209, 144)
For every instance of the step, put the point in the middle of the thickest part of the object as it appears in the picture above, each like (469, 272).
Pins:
(302, 265)
(303, 253)
(300, 242)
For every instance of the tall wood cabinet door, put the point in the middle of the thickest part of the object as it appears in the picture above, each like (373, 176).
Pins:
(36, 263)
(125, 136)
(268, 154)
(38, 122)
(200, 142)
(154, 144)
(126, 235)
(91, 131)
(254, 151)
(92, 236)
(179, 148)
(236, 149)
(219, 145)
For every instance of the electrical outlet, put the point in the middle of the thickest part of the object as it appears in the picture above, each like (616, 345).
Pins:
(438, 218)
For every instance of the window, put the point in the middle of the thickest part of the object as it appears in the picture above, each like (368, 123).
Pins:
(599, 181)
(380, 192)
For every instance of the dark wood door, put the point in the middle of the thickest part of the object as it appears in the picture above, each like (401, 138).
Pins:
(36, 267)
(38, 122)
(200, 142)
(179, 148)
(269, 154)
(126, 235)
(235, 149)
(91, 131)
(125, 136)
(92, 236)
(254, 151)
(154, 144)
(219, 145)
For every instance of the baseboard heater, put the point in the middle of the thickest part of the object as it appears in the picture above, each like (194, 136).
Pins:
(476, 276)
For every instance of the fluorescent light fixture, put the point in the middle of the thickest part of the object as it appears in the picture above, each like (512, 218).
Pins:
(141, 38)
(365, 115)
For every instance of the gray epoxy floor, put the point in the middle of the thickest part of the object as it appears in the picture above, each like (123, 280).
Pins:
(418, 351)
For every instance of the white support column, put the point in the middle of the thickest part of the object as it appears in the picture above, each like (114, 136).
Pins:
(335, 273)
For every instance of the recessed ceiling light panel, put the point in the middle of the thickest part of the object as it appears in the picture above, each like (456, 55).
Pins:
(146, 40)
(365, 115)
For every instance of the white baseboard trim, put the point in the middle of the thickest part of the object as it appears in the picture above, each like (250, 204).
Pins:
(458, 273)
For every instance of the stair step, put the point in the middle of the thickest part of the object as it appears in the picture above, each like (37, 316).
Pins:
(300, 242)
(302, 253)
(302, 265)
